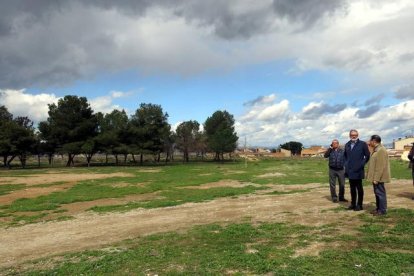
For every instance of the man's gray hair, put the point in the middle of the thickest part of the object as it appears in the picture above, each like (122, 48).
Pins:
(353, 130)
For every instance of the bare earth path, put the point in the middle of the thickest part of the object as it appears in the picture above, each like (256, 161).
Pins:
(90, 230)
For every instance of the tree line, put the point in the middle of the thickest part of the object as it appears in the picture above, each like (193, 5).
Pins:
(73, 128)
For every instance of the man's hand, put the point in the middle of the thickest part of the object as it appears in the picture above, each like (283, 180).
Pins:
(375, 182)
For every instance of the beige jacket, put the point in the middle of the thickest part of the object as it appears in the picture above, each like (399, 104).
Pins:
(379, 166)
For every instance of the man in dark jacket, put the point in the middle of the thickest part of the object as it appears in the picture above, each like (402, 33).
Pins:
(411, 157)
(356, 156)
(336, 170)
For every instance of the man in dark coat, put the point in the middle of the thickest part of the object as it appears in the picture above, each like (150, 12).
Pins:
(411, 157)
(356, 156)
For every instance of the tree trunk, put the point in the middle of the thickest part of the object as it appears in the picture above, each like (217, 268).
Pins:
(116, 159)
(70, 160)
(141, 161)
(133, 158)
(159, 157)
(10, 160)
(4, 160)
(106, 158)
(22, 159)
(38, 160)
(125, 158)
(88, 159)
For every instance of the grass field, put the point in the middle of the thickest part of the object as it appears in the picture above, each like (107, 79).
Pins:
(269, 217)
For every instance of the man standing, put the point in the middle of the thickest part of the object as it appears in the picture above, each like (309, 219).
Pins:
(356, 156)
(379, 174)
(336, 170)
(411, 157)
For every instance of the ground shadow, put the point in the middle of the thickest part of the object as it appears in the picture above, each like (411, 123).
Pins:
(406, 195)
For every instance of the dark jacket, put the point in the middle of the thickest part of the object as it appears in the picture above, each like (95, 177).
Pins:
(411, 155)
(336, 158)
(356, 159)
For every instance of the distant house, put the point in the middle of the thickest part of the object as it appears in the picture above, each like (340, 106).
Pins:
(261, 150)
(401, 148)
(313, 151)
(402, 143)
(282, 153)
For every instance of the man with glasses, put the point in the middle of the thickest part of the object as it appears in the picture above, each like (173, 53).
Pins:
(356, 156)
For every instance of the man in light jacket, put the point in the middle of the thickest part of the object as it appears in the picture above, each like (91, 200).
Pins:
(379, 174)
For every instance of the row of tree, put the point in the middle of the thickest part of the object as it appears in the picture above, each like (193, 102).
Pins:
(72, 128)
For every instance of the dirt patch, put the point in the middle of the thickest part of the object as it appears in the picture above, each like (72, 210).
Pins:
(63, 182)
(33, 192)
(90, 230)
(220, 184)
(150, 170)
(235, 172)
(126, 184)
(315, 248)
(79, 207)
(267, 175)
(31, 180)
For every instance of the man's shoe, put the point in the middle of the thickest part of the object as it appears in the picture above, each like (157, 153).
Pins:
(343, 200)
(379, 214)
(373, 212)
(334, 200)
(358, 208)
(351, 207)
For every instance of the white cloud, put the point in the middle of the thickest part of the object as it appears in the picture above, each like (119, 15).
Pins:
(35, 106)
(20, 103)
(389, 122)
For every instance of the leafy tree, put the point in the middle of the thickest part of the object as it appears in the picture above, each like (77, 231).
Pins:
(23, 138)
(111, 127)
(294, 147)
(169, 145)
(201, 144)
(47, 144)
(6, 121)
(148, 130)
(16, 137)
(221, 137)
(186, 134)
(70, 125)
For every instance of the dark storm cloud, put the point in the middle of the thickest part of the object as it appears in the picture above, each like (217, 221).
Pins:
(317, 111)
(307, 12)
(260, 100)
(55, 42)
(374, 100)
(368, 112)
(405, 92)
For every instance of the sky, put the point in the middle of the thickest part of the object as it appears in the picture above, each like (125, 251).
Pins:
(287, 70)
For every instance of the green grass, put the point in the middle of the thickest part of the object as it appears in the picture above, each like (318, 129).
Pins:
(381, 246)
(8, 188)
(250, 249)
(167, 179)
